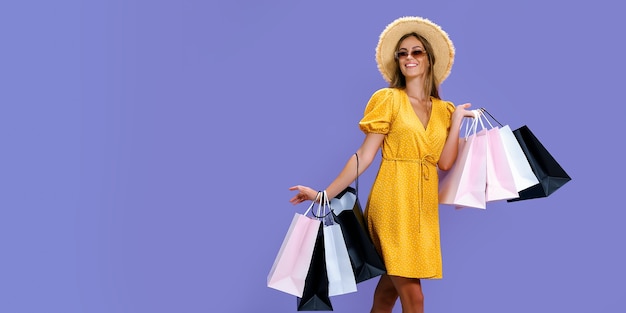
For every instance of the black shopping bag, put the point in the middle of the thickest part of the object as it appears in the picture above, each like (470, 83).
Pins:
(347, 212)
(315, 296)
(549, 172)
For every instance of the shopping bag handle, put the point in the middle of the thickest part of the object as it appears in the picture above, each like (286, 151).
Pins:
(483, 117)
(323, 206)
(478, 115)
(312, 204)
(326, 201)
(471, 127)
(320, 196)
(348, 189)
(485, 111)
(357, 174)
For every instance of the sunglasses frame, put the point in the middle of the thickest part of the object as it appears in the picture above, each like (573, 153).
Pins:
(405, 54)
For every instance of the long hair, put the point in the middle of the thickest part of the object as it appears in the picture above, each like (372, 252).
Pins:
(431, 85)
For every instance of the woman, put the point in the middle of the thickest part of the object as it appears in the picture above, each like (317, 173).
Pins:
(418, 133)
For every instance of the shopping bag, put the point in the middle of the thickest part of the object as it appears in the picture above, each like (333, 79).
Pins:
(500, 181)
(464, 185)
(347, 212)
(523, 174)
(548, 171)
(291, 265)
(315, 296)
(338, 267)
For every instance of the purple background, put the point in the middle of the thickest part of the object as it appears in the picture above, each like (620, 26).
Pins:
(148, 147)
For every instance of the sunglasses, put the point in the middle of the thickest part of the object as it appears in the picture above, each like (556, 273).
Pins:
(404, 54)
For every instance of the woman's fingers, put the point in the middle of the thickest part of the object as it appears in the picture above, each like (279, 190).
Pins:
(302, 195)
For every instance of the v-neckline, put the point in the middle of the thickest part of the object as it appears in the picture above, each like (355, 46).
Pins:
(432, 108)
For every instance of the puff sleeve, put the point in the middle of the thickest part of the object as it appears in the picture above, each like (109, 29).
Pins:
(379, 112)
(450, 108)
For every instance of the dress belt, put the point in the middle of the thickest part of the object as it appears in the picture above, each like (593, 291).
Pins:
(423, 163)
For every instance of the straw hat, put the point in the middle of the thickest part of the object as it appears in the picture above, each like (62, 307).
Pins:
(438, 39)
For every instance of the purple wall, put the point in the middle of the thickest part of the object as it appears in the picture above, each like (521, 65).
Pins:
(148, 147)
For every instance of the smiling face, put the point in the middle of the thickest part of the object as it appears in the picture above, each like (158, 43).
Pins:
(410, 63)
(412, 58)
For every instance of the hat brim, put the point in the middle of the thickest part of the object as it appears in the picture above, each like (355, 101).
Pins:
(438, 39)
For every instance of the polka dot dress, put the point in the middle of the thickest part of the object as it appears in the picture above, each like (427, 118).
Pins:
(402, 210)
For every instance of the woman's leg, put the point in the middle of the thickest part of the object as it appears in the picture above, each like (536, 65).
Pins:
(385, 296)
(410, 292)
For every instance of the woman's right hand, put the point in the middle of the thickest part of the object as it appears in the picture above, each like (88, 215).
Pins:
(304, 193)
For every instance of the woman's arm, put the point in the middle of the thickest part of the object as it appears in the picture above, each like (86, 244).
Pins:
(451, 147)
(366, 153)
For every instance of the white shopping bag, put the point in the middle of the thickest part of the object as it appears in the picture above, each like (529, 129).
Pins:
(522, 172)
(341, 279)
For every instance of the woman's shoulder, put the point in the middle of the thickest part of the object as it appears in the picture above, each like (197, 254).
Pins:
(382, 95)
(444, 103)
(385, 91)
(445, 106)
(440, 101)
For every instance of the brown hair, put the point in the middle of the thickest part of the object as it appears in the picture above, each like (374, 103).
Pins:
(431, 85)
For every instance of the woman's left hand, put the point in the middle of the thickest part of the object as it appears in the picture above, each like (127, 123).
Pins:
(462, 111)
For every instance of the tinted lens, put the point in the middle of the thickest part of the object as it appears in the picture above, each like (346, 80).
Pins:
(404, 54)
(416, 53)
(401, 54)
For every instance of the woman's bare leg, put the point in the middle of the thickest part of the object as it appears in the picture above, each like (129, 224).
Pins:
(410, 292)
(385, 296)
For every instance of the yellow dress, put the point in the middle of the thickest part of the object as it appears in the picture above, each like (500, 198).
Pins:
(402, 209)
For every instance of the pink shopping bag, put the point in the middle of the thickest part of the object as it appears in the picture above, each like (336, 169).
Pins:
(500, 180)
(465, 183)
(523, 175)
(290, 268)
